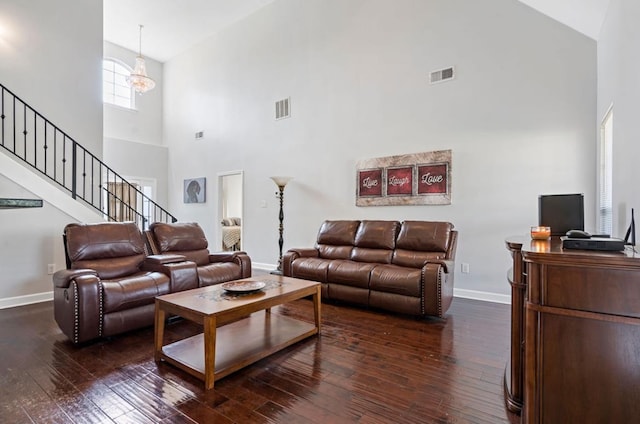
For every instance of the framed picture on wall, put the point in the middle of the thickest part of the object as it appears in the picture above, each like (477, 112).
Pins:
(194, 190)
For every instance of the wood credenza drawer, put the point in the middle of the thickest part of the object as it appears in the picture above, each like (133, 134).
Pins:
(603, 290)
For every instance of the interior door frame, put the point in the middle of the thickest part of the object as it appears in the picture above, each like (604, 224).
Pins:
(220, 212)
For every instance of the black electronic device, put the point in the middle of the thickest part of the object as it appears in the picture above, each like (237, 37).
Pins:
(630, 237)
(609, 244)
(561, 212)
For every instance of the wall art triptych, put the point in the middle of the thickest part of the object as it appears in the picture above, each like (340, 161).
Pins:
(415, 179)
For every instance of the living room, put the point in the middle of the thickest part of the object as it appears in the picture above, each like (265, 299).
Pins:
(521, 116)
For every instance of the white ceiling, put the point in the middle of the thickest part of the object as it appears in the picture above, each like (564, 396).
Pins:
(172, 26)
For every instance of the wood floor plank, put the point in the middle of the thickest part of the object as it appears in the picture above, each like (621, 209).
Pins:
(366, 367)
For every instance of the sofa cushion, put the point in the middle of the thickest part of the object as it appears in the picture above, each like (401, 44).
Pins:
(414, 259)
(424, 236)
(132, 291)
(179, 236)
(377, 234)
(111, 249)
(396, 279)
(314, 269)
(349, 273)
(338, 233)
(218, 272)
(380, 256)
(327, 251)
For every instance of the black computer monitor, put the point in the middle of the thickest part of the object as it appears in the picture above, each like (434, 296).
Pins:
(561, 212)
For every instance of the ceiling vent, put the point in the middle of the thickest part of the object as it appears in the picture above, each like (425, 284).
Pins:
(442, 75)
(283, 108)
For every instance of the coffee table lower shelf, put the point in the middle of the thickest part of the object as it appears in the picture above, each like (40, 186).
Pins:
(238, 344)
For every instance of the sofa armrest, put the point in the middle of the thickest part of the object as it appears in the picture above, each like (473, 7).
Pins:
(241, 258)
(63, 277)
(304, 252)
(447, 264)
(77, 304)
(293, 254)
(183, 274)
(438, 287)
(223, 256)
(165, 259)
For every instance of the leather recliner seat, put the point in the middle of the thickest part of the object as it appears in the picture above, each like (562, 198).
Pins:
(403, 267)
(188, 239)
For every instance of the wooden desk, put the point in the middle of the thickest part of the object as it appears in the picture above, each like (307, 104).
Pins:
(234, 336)
(581, 335)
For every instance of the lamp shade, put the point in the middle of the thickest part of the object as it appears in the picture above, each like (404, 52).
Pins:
(281, 181)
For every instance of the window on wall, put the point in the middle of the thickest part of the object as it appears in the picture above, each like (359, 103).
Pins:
(605, 175)
(115, 89)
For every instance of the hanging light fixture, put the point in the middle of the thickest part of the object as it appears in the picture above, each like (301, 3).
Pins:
(138, 78)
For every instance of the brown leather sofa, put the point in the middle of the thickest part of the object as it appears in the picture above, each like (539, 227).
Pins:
(188, 239)
(403, 267)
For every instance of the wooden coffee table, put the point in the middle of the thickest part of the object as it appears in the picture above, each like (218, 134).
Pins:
(235, 334)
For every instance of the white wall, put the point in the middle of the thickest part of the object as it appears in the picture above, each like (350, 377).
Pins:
(519, 117)
(144, 124)
(51, 57)
(133, 138)
(619, 85)
(134, 160)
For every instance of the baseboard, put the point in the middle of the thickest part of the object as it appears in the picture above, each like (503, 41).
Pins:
(481, 295)
(462, 293)
(11, 302)
(263, 267)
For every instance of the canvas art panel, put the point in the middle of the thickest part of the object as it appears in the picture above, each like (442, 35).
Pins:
(194, 190)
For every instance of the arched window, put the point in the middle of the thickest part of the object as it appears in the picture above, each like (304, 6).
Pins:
(115, 89)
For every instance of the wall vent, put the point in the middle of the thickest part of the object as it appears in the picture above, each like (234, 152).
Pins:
(199, 135)
(283, 108)
(442, 75)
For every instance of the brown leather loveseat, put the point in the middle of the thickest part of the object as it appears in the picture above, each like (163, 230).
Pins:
(403, 267)
(110, 284)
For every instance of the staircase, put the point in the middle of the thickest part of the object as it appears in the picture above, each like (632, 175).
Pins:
(35, 141)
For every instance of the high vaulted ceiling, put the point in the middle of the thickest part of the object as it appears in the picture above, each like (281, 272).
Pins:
(172, 26)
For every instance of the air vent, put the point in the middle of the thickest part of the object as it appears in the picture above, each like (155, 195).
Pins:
(442, 75)
(283, 108)
(199, 135)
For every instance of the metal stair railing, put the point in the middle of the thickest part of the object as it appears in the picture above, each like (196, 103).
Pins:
(33, 139)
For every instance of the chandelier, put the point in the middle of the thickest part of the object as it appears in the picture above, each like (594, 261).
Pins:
(138, 78)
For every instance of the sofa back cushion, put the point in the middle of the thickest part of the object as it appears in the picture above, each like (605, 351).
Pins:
(112, 249)
(336, 239)
(183, 238)
(421, 241)
(375, 241)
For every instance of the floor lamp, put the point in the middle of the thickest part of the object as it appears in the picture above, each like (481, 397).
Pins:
(281, 182)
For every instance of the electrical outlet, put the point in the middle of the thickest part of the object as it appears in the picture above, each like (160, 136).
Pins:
(263, 203)
(465, 268)
(51, 268)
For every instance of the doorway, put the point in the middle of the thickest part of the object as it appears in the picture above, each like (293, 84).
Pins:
(230, 206)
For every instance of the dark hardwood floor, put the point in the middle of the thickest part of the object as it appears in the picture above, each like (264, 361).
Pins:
(366, 367)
